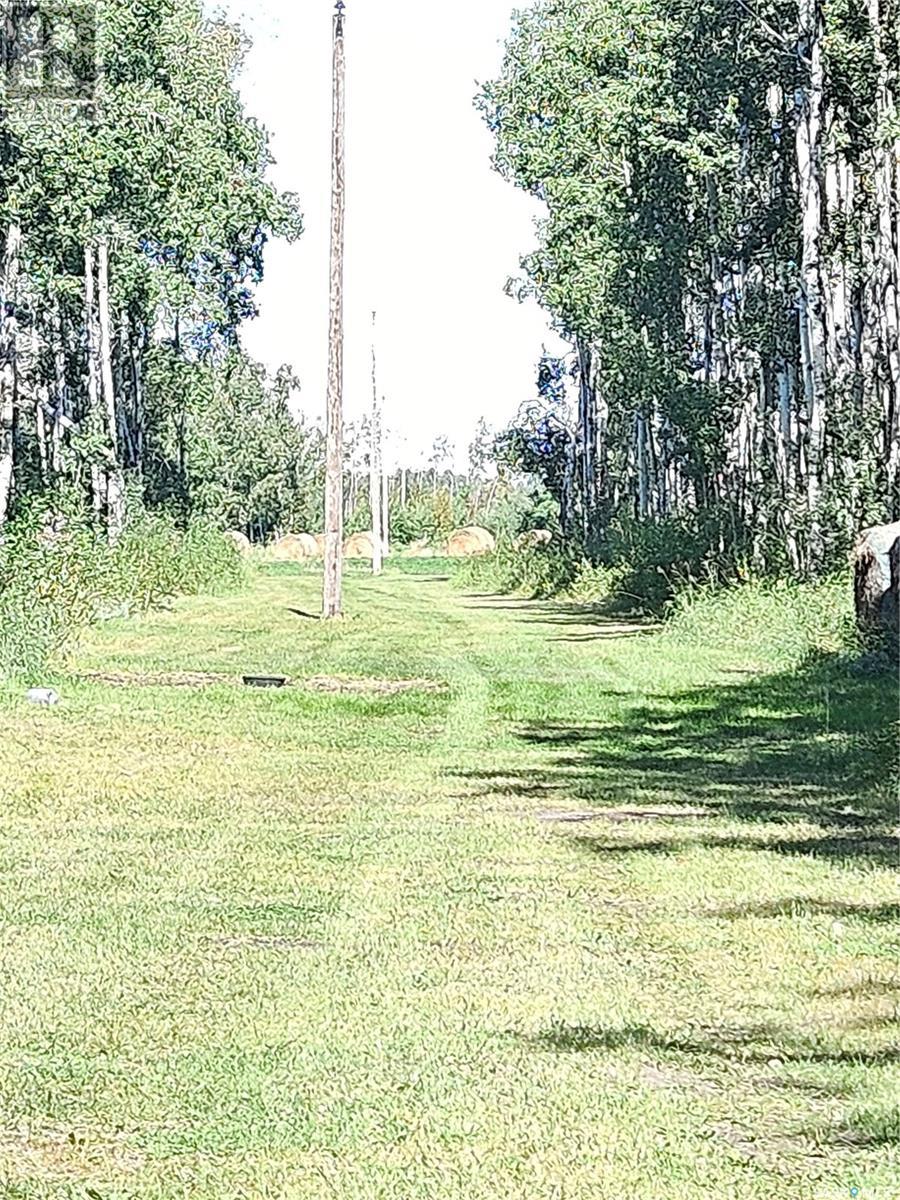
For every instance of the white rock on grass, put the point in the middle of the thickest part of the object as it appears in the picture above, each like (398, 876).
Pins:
(45, 696)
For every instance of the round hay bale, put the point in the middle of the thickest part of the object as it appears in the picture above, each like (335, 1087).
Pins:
(294, 547)
(320, 544)
(359, 545)
(533, 539)
(877, 578)
(239, 540)
(470, 541)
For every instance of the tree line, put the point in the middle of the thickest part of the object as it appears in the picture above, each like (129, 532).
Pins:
(721, 247)
(134, 211)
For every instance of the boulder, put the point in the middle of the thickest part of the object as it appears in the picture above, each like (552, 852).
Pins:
(877, 578)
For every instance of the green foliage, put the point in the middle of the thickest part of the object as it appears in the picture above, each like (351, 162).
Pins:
(538, 573)
(360, 520)
(664, 143)
(52, 581)
(781, 621)
(656, 559)
(155, 560)
(224, 444)
(641, 568)
(59, 574)
(430, 514)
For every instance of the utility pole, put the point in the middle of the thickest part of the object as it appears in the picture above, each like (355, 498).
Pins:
(334, 466)
(375, 493)
(385, 489)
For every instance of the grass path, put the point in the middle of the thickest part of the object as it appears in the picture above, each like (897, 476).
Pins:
(602, 917)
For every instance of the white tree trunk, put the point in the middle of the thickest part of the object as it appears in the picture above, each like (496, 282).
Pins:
(40, 398)
(60, 393)
(115, 480)
(813, 338)
(887, 253)
(8, 332)
(94, 416)
(642, 467)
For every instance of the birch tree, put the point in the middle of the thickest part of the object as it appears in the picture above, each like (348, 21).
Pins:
(720, 246)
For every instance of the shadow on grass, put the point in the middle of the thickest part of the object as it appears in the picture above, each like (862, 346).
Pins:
(751, 1045)
(810, 755)
(412, 578)
(806, 907)
(307, 616)
(595, 622)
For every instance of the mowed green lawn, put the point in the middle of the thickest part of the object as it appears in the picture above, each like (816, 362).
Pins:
(598, 915)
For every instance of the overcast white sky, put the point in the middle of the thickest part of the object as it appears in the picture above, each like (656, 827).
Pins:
(432, 231)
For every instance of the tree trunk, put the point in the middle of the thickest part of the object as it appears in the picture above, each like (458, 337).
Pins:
(60, 392)
(41, 402)
(115, 486)
(813, 339)
(332, 592)
(94, 418)
(8, 333)
(887, 253)
(136, 348)
(643, 467)
(587, 444)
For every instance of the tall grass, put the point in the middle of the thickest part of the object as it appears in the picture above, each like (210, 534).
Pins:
(539, 573)
(59, 574)
(779, 621)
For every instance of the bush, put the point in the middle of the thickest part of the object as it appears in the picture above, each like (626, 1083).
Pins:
(58, 574)
(51, 580)
(537, 572)
(775, 621)
(154, 561)
(656, 560)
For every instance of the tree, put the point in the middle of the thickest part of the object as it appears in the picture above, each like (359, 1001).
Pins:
(720, 249)
(137, 219)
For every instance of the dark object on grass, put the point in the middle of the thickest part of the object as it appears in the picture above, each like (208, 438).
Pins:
(877, 579)
(265, 681)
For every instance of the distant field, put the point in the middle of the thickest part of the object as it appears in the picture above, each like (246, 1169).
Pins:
(547, 908)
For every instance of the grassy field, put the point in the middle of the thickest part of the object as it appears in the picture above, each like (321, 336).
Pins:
(583, 911)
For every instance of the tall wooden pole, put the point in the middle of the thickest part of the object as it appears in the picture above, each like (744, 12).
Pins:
(385, 488)
(375, 469)
(334, 467)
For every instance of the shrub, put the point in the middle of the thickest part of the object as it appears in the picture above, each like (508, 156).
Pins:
(154, 561)
(773, 620)
(537, 572)
(58, 574)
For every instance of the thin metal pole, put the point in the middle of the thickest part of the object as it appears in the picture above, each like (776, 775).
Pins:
(334, 483)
